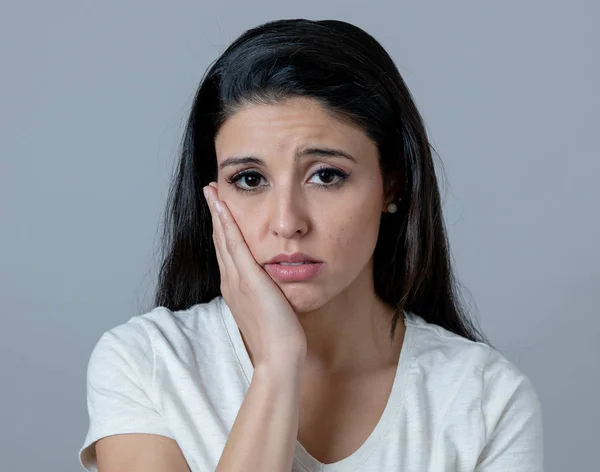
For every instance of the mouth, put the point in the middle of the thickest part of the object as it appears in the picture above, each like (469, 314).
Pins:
(295, 259)
(294, 271)
(294, 263)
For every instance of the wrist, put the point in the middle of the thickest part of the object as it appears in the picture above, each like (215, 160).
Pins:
(282, 369)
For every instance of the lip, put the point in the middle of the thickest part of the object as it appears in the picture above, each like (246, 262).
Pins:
(295, 257)
(299, 273)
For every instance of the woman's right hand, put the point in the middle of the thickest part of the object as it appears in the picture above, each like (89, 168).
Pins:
(269, 324)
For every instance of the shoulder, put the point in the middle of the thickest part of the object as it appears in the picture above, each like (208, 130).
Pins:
(469, 386)
(135, 341)
(124, 388)
(446, 357)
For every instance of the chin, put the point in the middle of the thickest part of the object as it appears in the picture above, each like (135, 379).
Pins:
(304, 297)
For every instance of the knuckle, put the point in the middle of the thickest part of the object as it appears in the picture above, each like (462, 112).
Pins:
(231, 245)
(245, 284)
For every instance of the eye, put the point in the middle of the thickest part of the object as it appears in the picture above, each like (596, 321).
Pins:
(327, 174)
(330, 177)
(251, 178)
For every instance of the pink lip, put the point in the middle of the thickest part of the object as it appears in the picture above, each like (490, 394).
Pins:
(295, 257)
(300, 273)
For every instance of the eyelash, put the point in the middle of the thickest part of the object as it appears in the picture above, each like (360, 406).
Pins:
(338, 173)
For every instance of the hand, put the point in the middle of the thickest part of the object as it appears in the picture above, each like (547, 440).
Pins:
(269, 325)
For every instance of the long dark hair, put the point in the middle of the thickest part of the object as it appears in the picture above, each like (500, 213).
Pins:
(350, 74)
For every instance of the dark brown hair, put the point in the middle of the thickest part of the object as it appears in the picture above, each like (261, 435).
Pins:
(350, 74)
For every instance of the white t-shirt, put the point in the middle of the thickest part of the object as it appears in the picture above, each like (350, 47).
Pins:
(455, 406)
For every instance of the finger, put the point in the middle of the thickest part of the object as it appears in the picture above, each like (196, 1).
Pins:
(217, 233)
(234, 244)
(222, 268)
(217, 244)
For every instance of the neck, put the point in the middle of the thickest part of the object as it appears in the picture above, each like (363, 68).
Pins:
(350, 333)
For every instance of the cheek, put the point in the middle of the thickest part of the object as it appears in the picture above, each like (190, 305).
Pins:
(353, 235)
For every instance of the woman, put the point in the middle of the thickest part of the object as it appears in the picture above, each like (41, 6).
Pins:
(306, 314)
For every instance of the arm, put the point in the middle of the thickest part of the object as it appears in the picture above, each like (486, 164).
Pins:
(262, 438)
(127, 432)
(265, 430)
(139, 452)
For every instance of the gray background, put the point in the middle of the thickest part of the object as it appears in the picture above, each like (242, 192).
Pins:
(93, 98)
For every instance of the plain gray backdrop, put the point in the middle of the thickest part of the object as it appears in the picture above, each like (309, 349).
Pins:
(93, 99)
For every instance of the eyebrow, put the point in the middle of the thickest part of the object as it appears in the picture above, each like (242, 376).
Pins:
(322, 152)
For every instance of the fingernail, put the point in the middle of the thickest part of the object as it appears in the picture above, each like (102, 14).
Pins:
(218, 207)
(205, 192)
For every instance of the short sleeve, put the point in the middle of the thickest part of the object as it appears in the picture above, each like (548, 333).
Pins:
(512, 416)
(120, 376)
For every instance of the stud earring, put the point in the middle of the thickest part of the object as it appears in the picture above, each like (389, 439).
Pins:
(392, 207)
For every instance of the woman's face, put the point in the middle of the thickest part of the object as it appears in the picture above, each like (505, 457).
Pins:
(326, 206)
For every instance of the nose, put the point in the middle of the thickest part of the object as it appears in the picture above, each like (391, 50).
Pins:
(288, 216)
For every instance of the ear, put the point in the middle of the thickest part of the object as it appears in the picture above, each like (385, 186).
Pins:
(392, 189)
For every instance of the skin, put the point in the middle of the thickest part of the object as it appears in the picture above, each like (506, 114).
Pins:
(349, 359)
(346, 324)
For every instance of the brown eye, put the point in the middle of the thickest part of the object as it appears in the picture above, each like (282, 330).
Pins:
(326, 176)
(250, 180)
(330, 177)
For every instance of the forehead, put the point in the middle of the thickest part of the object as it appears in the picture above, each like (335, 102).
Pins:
(285, 126)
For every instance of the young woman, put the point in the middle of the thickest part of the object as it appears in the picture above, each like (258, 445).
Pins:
(306, 314)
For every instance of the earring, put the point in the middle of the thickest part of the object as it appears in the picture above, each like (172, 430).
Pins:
(392, 207)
